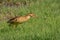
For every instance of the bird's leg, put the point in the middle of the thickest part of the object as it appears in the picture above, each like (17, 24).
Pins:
(15, 25)
(10, 24)
(22, 28)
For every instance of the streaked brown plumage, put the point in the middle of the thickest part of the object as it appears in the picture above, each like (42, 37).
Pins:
(21, 19)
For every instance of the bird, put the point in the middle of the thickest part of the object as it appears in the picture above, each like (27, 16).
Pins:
(21, 19)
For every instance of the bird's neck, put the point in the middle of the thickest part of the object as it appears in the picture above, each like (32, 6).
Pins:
(28, 17)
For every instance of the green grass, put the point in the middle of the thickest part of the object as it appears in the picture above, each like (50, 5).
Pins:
(45, 27)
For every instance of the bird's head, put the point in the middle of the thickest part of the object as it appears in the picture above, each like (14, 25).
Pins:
(32, 15)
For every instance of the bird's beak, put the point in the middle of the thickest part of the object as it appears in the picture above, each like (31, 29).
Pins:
(35, 16)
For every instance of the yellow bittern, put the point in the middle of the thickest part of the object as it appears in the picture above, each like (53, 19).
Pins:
(20, 19)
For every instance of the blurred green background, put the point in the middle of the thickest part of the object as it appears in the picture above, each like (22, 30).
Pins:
(45, 27)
